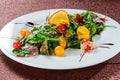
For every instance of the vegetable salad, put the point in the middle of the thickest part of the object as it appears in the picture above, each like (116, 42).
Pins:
(54, 37)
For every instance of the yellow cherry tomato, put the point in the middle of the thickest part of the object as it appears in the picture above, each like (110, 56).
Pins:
(25, 33)
(83, 32)
(62, 42)
(83, 37)
(67, 34)
(59, 51)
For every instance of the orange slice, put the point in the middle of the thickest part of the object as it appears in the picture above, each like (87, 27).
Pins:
(59, 17)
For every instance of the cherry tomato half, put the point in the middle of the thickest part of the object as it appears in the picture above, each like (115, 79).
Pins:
(67, 34)
(61, 28)
(83, 37)
(17, 45)
(25, 33)
(62, 42)
(83, 32)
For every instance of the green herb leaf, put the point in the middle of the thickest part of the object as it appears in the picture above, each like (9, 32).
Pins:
(21, 52)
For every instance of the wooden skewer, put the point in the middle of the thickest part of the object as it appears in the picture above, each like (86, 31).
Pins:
(110, 26)
(102, 47)
(83, 53)
(107, 44)
(81, 56)
(29, 24)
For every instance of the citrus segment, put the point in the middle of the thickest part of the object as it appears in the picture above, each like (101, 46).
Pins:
(59, 17)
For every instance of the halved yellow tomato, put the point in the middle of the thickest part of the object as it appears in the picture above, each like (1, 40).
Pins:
(83, 37)
(62, 42)
(83, 32)
(25, 33)
(67, 34)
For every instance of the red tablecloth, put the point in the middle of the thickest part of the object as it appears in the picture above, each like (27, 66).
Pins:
(11, 70)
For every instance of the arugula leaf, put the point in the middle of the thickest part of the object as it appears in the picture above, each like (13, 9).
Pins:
(71, 31)
(23, 41)
(35, 29)
(93, 30)
(70, 16)
(21, 52)
(87, 16)
(44, 48)
(100, 28)
(74, 24)
(74, 44)
(51, 45)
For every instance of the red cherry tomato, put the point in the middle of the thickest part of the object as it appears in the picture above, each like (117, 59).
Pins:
(17, 45)
(61, 28)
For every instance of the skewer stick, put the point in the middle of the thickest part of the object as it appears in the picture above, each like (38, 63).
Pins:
(107, 44)
(83, 53)
(29, 24)
(81, 56)
(110, 26)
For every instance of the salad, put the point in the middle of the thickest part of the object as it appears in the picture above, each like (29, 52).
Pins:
(61, 31)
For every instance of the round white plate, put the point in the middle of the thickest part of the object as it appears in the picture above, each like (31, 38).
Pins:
(71, 59)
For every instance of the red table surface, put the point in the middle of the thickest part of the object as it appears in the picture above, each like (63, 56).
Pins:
(11, 70)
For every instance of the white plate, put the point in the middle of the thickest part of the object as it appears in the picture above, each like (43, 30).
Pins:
(71, 60)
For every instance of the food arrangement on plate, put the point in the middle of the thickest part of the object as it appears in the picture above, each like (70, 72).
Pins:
(59, 38)
(61, 31)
